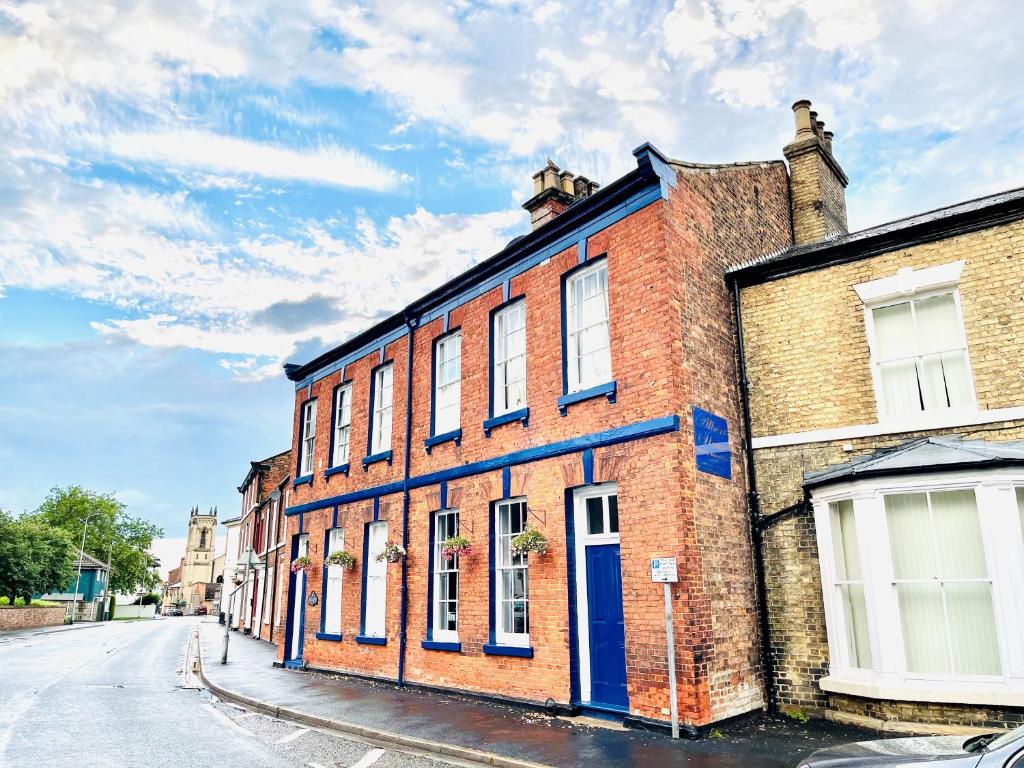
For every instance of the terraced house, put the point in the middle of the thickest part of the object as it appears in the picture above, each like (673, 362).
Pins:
(588, 385)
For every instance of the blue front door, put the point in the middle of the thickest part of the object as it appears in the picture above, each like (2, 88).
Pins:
(607, 631)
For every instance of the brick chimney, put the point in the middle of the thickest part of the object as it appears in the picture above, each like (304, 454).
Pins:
(817, 183)
(554, 190)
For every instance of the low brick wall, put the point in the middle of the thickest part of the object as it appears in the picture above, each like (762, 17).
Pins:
(26, 618)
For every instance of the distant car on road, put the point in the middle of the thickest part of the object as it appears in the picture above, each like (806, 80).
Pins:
(994, 750)
(175, 612)
(201, 610)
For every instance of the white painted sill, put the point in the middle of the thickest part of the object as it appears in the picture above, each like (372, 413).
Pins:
(865, 690)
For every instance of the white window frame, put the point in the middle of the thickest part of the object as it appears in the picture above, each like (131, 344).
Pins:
(889, 679)
(444, 569)
(447, 392)
(504, 561)
(334, 587)
(576, 380)
(375, 599)
(308, 443)
(503, 356)
(584, 539)
(342, 425)
(382, 412)
(911, 286)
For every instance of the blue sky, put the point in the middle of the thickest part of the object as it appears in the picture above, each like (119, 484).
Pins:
(193, 194)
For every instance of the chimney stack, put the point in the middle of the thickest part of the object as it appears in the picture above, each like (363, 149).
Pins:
(817, 182)
(554, 190)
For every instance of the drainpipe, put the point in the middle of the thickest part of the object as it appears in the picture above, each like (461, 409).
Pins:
(754, 510)
(410, 322)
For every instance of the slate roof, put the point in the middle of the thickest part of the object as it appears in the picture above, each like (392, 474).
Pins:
(88, 561)
(922, 227)
(928, 453)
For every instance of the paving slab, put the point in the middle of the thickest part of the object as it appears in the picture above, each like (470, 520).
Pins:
(502, 730)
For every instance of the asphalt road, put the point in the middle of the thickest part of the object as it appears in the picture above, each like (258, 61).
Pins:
(115, 695)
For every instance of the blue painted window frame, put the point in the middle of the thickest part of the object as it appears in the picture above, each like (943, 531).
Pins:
(302, 479)
(608, 389)
(522, 415)
(341, 468)
(455, 434)
(371, 457)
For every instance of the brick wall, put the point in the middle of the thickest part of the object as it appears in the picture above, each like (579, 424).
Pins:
(806, 345)
(672, 348)
(26, 618)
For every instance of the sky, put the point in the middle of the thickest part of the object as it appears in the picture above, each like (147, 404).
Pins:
(193, 193)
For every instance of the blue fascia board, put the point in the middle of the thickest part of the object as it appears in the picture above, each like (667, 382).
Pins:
(370, 640)
(522, 415)
(328, 636)
(625, 434)
(446, 437)
(492, 649)
(377, 457)
(341, 469)
(302, 481)
(636, 190)
(434, 645)
(608, 389)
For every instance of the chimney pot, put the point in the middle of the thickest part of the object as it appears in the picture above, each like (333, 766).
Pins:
(828, 141)
(565, 182)
(819, 128)
(802, 115)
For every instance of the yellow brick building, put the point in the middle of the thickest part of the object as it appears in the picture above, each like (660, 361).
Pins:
(884, 380)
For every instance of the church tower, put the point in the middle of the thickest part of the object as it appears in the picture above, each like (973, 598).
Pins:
(200, 548)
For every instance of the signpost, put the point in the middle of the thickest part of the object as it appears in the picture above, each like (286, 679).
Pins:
(664, 570)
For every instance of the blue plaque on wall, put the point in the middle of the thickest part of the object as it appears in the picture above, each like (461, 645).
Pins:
(711, 440)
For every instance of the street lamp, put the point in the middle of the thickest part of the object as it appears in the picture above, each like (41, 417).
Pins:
(81, 557)
(248, 561)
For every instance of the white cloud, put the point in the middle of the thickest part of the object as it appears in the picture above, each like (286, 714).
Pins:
(185, 149)
(748, 87)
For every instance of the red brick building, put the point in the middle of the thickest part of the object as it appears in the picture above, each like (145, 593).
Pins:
(554, 388)
(262, 528)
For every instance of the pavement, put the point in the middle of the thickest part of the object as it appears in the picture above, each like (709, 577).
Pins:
(450, 724)
(119, 694)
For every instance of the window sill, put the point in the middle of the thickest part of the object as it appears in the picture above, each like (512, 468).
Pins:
(341, 469)
(526, 652)
(446, 437)
(328, 636)
(305, 479)
(370, 640)
(376, 458)
(434, 645)
(522, 416)
(608, 390)
(954, 693)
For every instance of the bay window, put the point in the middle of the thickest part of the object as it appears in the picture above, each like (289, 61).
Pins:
(921, 577)
(509, 374)
(447, 382)
(588, 346)
(308, 425)
(342, 424)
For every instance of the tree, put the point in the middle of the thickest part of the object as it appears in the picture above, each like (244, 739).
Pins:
(111, 531)
(34, 558)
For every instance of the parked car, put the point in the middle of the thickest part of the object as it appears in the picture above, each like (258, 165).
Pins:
(175, 612)
(993, 750)
(201, 610)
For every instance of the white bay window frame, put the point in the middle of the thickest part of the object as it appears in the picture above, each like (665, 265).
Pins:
(888, 677)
